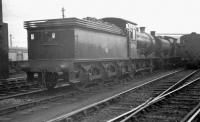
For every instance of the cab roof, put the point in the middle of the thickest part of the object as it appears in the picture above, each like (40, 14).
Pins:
(118, 21)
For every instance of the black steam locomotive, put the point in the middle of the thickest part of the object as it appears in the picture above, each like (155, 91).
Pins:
(87, 50)
(190, 51)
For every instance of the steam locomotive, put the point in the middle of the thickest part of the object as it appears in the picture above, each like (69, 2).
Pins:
(82, 51)
(190, 51)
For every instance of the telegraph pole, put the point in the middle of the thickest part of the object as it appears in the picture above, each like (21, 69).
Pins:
(63, 12)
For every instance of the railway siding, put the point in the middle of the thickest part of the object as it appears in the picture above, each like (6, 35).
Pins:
(75, 100)
(173, 106)
(106, 110)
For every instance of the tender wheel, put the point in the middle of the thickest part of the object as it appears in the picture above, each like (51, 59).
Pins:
(39, 80)
(51, 80)
(30, 76)
(82, 80)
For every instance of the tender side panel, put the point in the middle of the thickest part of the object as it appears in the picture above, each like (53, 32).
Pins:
(51, 43)
(90, 44)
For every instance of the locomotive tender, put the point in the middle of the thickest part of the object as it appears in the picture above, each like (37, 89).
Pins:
(88, 50)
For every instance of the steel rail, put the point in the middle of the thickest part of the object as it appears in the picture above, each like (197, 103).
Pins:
(180, 82)
(192, 114)
(159, 99)
(31, 90)
(21, 94)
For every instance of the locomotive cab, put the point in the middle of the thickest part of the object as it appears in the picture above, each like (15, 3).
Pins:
(130, 28)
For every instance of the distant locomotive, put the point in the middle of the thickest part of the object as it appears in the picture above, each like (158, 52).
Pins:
(190, 50)
(88, 50)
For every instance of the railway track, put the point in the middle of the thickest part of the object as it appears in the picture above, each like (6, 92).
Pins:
(177, 105)
(33, 98)
(193, 116)
(183, 81)
(18, 85)
(126, 101)
(30, 100)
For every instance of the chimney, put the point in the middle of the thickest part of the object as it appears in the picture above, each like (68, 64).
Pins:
(142, 29)
(153, 33)
(1, 13)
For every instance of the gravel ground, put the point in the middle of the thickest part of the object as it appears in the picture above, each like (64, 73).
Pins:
(134, 99)
(11, 102)
(22, 74)
(73, 102)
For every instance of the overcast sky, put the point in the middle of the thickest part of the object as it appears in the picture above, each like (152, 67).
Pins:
(163, 16)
